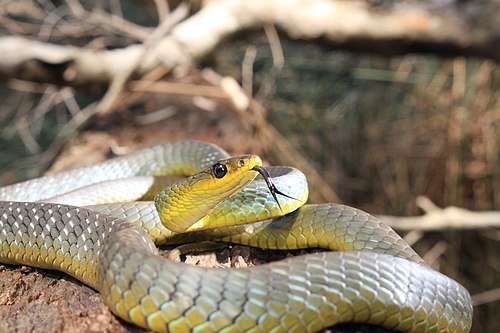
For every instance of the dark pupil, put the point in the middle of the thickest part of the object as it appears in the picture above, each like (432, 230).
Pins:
(220, 170)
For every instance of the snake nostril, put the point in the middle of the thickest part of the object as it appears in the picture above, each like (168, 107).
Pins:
(241, 163)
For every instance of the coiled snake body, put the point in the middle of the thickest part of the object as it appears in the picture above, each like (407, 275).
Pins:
(389, 286)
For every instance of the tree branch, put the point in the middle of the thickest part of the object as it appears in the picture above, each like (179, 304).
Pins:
(436, 218)
(449, 29)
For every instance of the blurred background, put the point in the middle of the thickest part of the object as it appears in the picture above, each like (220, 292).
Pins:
(371, 131)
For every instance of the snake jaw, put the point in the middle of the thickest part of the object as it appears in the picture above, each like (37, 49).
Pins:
(270, 185)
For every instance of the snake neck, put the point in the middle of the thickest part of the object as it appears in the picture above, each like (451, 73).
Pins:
(181, 158)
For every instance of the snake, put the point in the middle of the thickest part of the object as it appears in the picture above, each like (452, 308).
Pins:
(369, 275)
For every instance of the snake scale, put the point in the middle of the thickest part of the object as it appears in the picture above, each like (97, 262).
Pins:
(377, 279)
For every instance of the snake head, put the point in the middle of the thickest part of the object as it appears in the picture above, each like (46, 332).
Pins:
(183, 204)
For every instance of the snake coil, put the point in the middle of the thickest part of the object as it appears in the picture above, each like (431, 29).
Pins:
(107, 248)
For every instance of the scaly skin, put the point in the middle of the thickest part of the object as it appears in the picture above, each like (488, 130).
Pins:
(182, 158)
(391, 288)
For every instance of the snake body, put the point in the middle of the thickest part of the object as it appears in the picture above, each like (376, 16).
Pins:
(107, 248)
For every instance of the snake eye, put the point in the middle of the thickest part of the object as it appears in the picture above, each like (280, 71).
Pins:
(220, 170)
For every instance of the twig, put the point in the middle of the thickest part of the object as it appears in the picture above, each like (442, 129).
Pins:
(76, 7)
(118, 24)
(22, 126)
(447, 218)
(278, 62)
(162, 8)
(116, 87)
(111, 22)
(156, 116)
(486, 297)
(116, 8)
(247, 69)
(68, 97)
(178, 88)
(18, 27)
(23, 123)
(48, 25)
(118, 83)
(69, 130)
(432, 256)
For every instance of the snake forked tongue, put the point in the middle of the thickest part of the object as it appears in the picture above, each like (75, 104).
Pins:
(270, 185)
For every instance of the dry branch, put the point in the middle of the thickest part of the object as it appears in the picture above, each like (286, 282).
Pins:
(436, 219)
(449, 29)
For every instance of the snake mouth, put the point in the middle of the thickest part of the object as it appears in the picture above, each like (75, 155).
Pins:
(270, 185)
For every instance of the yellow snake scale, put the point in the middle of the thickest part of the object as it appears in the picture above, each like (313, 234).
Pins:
(378, 280)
